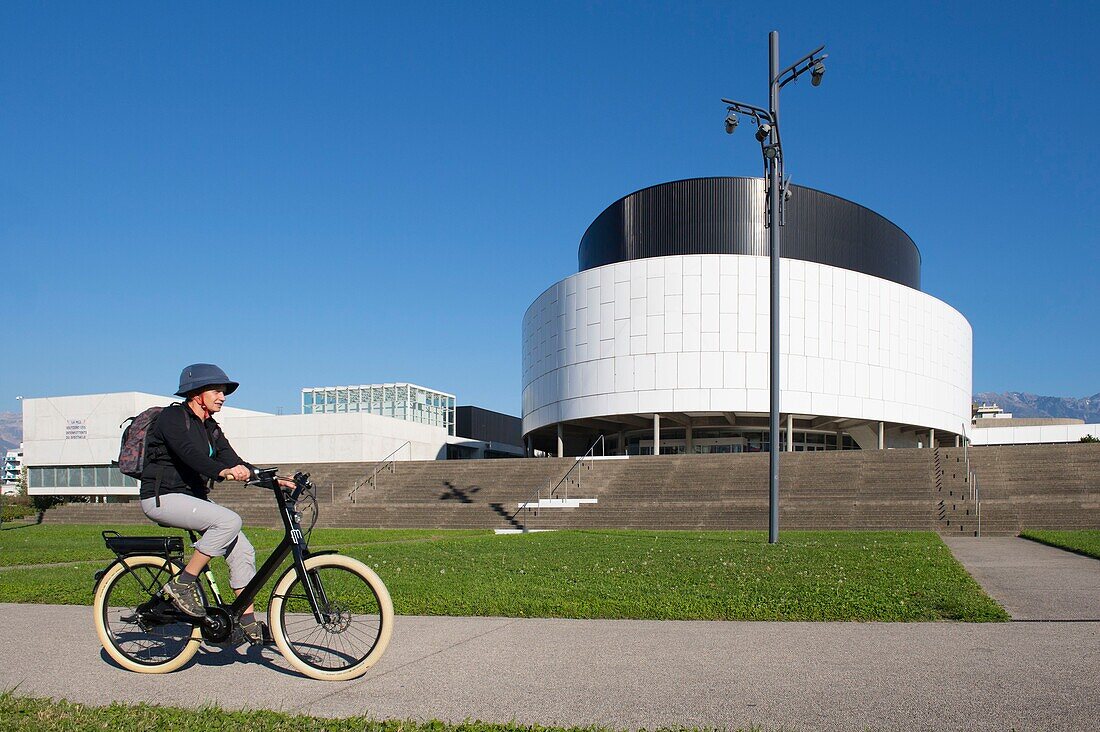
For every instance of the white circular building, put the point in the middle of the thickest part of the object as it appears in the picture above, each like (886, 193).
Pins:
(660, 342)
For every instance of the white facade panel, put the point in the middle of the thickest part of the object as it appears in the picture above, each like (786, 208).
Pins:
(853, 345)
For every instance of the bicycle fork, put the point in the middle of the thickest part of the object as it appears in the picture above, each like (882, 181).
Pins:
(311, 583)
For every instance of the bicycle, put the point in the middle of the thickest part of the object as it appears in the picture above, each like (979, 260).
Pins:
(330, 615)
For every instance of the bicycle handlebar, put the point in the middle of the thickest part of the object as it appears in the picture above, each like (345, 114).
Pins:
(268, 478)
(264, 477)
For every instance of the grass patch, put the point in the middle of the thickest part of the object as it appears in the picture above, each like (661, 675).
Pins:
(26, 544)
(665, 575)
(45, 715)
(1084, 541)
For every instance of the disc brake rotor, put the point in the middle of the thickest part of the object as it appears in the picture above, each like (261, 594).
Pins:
(337, 619)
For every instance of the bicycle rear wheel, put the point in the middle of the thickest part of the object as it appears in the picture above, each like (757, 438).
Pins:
(138, 628)
(358, 623)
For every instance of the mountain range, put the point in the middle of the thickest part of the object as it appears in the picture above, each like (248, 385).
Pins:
(1023, 404)
(11, 430)
(1019, 403)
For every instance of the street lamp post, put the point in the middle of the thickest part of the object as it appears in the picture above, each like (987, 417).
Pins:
(778, 191)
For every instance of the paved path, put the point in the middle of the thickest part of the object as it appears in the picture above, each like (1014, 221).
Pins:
(623, 673)
(1032, 581)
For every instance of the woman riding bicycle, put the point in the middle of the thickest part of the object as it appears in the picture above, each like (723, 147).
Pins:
(186, 453)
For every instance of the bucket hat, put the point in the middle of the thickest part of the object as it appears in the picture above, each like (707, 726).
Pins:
(200, 375)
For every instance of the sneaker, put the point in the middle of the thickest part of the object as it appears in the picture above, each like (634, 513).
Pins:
(257, 633)
(186, 598)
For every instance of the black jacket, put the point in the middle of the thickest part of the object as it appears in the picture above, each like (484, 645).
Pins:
(187, 452)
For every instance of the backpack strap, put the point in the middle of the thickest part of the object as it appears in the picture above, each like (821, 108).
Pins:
(156, 486)
(187, 423)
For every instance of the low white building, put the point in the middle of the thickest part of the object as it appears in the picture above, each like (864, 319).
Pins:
(13, 465)
(70, 443)
(992, 425)
(1033, 434)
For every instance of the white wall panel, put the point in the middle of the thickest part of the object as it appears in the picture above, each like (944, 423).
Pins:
(853, 345)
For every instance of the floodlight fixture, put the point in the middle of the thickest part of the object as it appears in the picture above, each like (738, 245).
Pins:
(763, 131)
(817, 73)
(731, 121)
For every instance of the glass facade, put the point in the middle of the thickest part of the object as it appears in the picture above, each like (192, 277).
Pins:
(400, 401)
(79, 476)
(704, 442)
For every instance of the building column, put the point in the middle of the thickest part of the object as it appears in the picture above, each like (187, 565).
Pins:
(561, 440)
(622, 442)
(656, 434)
(840, 439)
(527, 446)
(882, 435)
(932, 437)
(790, 433)
(957, 441)
(689, 441)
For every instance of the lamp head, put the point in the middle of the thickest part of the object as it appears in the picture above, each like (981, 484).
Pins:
(763, 131)
(817, 72)
(731, 121)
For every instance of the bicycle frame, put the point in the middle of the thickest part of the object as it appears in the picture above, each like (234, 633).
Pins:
(293, 543)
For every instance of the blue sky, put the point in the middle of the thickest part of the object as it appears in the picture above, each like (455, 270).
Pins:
(336, 193)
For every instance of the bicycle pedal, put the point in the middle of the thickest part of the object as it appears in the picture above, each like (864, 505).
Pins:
(265, 639)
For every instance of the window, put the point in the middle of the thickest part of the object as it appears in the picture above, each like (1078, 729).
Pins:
(401, 401)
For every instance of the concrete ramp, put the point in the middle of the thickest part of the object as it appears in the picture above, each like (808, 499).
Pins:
(1032, 581)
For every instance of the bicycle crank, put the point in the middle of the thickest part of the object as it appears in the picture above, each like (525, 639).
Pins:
(217, 626)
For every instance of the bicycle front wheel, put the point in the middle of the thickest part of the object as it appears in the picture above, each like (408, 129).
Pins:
(357, 623)
(136, 625)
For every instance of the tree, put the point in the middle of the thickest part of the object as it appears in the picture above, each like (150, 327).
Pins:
(1090, 438)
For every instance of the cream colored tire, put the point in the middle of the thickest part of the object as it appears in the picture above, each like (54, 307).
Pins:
(189, 643)
(384, 630)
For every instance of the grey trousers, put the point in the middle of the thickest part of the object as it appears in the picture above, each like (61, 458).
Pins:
(220, 529)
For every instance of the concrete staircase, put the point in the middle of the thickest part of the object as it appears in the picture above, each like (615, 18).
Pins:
(956, 510)
(1038, 487)
(1022, 487)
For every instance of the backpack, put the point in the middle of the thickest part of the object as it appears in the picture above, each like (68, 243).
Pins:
(131, 455)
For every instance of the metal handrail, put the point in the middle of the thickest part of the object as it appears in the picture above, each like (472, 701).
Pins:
(974, 491)
(387, 462)
(978, 504)
(551, 491)
(966, 459)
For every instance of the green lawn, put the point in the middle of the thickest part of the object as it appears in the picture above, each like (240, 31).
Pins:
(27, 714)
(862, 576)
(22, 544)
(1086, 541)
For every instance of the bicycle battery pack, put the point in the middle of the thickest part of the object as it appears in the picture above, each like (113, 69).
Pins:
(169, 546)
